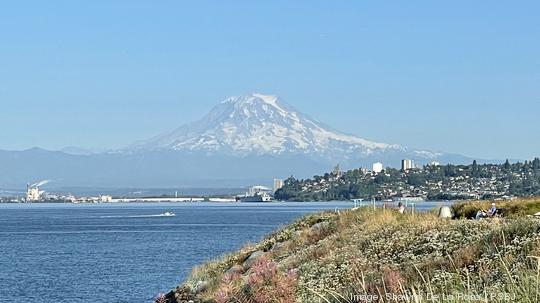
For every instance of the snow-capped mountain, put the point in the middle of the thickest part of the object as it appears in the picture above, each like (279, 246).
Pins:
(257, 124)
(243, 140)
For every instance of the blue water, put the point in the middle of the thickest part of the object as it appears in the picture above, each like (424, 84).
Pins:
(123, 252)
(52, 253)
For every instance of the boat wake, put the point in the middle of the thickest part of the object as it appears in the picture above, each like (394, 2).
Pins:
(167, 214)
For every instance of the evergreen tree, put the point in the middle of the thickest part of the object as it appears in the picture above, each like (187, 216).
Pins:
(449, 170)
(536, 163)
(506, 165)
(474, 169)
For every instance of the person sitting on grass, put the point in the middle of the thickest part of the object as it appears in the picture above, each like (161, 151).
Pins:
(401, 207)
(487, 214)
(492, 211)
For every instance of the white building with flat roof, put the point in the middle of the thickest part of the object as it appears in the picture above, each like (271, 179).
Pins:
(105, 198)
(377, 167)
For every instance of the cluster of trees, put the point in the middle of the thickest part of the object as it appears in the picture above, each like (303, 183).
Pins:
(515, 179)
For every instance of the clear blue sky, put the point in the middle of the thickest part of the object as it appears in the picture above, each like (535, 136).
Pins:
(463, 76)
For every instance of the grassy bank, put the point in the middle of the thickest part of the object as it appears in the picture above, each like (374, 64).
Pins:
(510, 209)
(368, 255)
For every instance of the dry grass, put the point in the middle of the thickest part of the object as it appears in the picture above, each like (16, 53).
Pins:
(513, 208)
(366, 252)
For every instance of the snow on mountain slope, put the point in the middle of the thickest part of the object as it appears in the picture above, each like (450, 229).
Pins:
(245, 139)
(261, 124)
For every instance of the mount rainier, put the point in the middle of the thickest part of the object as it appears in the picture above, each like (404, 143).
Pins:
(257, 124)
(243, 140)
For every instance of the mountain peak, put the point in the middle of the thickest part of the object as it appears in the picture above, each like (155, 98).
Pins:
(260, 124)
(252, 97)
(257, 99)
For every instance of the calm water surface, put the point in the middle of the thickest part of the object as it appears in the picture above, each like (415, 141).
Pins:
(124, 252)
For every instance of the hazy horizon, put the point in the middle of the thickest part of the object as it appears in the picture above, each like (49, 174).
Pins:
(459, 77)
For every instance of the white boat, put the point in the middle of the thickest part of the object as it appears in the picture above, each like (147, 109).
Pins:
(168, 214)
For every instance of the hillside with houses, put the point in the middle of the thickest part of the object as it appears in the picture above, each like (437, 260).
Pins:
(431, 182)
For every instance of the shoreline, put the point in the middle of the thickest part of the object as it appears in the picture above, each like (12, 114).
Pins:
(322, 256)
(146, 201)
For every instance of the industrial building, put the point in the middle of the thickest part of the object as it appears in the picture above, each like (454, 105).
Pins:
(33, 193)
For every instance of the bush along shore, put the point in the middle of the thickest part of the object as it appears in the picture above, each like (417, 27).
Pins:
(376, 255)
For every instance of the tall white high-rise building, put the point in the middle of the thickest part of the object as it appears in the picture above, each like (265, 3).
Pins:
(407, 164)
(377, 167)
(278, 183)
